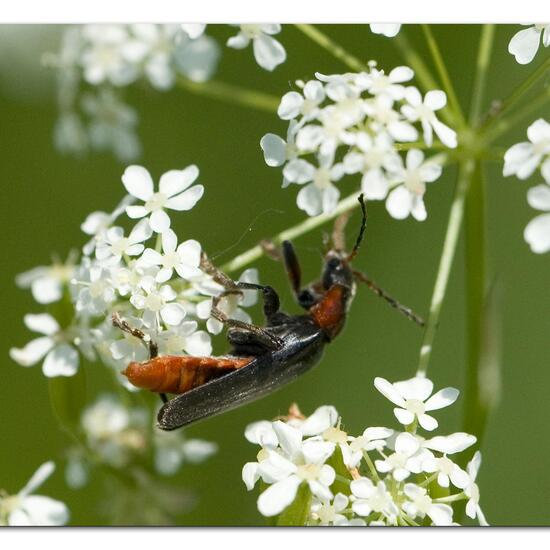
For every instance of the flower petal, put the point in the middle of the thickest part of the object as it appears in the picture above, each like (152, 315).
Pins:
(524, 45)
(268, 52)
(175, 181)
(159, 221)
(32, 352)
(172, 314)
(61, 361)
(415, 388)
(443, 398)
(278, 496)
(138, 182)
(389, 391)
(537, 234)
(186, 200)
(274, 148)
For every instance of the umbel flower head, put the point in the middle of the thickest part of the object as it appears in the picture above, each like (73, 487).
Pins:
(356, 124)
(383, 477)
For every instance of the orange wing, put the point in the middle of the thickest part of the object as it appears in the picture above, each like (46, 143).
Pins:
(179, 374)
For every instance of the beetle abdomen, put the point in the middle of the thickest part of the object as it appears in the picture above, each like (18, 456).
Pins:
(180, 373)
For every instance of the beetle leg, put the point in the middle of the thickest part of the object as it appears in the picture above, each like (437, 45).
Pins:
(125, 327)
(407, 312)
(262, 335)
(245, 342)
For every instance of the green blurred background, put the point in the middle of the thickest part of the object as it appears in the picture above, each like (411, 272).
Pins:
(46, 197)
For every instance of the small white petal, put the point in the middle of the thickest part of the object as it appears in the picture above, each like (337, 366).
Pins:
(290, 105)
(136, 212)
(175, 181)
(428, 422)
(186, 200)
(43, 323)
(399, 203)
(443, 398)
(290, 439)
(46, 290)
(539, 197)
(274, 149)
(268, 52)
(61, 361)
(389, 391)
(172, 314)
(32, 352)
(524, 45)
(537, 234)
(160, 221)
(250, 474)
(138, 182)
(406, 443)
(403, 416)
(278, 496)
(415, 388)
(37, 479)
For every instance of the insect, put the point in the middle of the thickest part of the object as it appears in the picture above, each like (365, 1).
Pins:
(262, 359)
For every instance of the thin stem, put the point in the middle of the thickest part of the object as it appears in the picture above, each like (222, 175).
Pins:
(475, 254)
(443, 73)
(483, 58)
(505, 124)
(332, 47)
(232, 94)
(307, 225)
(465, 171)
(518, 92)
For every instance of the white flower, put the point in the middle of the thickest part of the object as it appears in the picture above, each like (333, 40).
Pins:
(328, 513)
(198, 58)
(321, 195)
(262, 433)
(193, 30)
(387, 29)
(298, 462)
(371, 439)
(47, 282)
(158, 303)
(525, 43)
(420, 504)
(172, 450)
(113, 431)
(375, 158)
(386, 118)
(277, 151)
(368, 498)
(322, 419)
(307, 105)
(381, 83)
(109, 55)
(537, 231)
(406, 459)
(424, 110)
(473, 509)
(61, 359)
(96, 292)
(184, 259)
(25, 509)
(173, 194)
(523, 158)
(112, 125)
(116, 245)
(411, 398)
(185, 338)
(446, 470)
(268, 52)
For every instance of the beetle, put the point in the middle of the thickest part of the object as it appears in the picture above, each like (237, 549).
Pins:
(262, 359)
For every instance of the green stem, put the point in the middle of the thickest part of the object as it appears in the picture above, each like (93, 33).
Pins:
(332, 47)
(511, 100)
(232, 94)
(443, 73)
(483, 58)
(465, 171)
(475, 254)
(307, 225)
(507, 123)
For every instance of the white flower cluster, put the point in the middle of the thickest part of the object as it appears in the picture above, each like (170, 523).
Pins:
(25, 509)
(109, 57)
(521, 160)
(382, 477)
(357, 123)
(525, 43)
(118, 436)
(152, 280)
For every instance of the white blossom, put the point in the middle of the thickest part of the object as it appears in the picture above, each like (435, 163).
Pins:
(116, 245)
(386, 29)
(537, 231)
(525, 43)
(368, 498)
(268, 52)
(522, 159)
(411, 397)
(174, 193)
(25, 509)
(405, 460)
(420, 505)
(184, 258)
(410, 180)
(60, 358)
(424, 111)
(473, 509)
(329, 512)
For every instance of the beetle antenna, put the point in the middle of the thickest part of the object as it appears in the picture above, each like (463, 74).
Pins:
(359, 239)
(407, 312)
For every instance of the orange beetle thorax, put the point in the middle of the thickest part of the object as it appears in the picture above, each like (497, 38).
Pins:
(330, 312)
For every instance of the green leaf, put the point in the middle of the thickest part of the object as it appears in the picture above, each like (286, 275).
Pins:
(68, 399)
(297, 513)
(337, 462)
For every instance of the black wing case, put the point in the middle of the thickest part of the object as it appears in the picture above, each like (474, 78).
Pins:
(263, 375)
